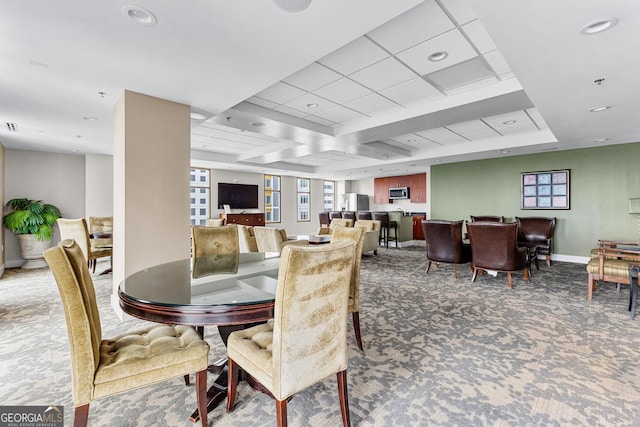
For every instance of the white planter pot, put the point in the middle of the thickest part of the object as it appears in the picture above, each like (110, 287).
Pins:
(32, 250)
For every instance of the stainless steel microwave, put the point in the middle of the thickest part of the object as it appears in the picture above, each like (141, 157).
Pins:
(399, 193)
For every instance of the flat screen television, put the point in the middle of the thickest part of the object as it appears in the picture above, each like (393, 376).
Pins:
(237, 196)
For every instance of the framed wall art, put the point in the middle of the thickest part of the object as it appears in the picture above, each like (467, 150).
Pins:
(545, 190)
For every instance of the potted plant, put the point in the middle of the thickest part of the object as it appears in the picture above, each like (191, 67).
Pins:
(32, 221)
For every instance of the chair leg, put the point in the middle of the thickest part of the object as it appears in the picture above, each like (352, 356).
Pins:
(549, 260)
(81, 416)
(344, 398)
(356, 328)
(455, 272)
(232, 383)
(201, 393)
(428, 266)
(527, 277)
(186, 379)
(281, 413)
(590, 287)
(475, 274)
(510, 279)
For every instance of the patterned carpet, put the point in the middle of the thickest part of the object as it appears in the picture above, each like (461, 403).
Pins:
(438, 352)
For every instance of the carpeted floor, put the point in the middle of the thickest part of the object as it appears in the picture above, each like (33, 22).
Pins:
(438, 352)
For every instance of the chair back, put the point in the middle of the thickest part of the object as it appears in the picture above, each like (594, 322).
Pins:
(247, 239)
(368, 224)
(310, 315)
(76, 229)
(214, 222)
(324, 218)
(487, 218)
(494, 246)
(342, 222)
(383, 217)
(444, 241)
(364, 215)
(355, 234)
(98, 224)
(69, 268)
(349, 215)
(215, 250)
(335, 214)
(535, 228)
(269, 239)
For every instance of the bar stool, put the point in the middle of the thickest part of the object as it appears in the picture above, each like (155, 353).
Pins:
(324, 218)
(349, 215)
(385, 227)
(335, 214)
(364, 215)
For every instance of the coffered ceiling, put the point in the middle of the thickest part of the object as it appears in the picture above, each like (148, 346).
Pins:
(341, 90)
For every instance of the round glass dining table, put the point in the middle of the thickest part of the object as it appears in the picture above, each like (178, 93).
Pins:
(231, 294)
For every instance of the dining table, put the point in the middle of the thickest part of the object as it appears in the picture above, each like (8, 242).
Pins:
(169, 293)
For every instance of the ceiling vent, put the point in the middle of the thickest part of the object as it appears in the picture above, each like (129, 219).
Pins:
(462, 74)
(12, 127)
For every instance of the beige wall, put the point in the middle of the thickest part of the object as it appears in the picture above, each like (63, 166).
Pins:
(98, 185)
(151, 155)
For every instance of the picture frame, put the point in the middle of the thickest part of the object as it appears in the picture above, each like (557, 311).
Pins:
(545, 189)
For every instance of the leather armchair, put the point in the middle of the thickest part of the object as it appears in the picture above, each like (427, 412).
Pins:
(269, 239)
(537, 231)
(371, 235)
(494, 247)
(105, 367)
(444, 243)
(307, 340)
(247, 239)
(487, 218)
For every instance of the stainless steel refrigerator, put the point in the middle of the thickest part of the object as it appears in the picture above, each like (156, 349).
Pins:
(356, 202)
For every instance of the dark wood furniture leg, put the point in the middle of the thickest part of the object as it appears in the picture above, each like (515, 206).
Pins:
(633, 293)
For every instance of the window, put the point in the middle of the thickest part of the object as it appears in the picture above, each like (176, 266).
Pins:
(329, 195)
(303, 198)
(272, 198)
(200, 195)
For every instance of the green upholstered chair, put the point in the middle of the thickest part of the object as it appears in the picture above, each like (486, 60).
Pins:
(306, 341)
(104, 367)
(356, 234)
(215, 250)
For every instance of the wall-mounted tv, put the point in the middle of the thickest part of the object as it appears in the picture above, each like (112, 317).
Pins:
(237, 196)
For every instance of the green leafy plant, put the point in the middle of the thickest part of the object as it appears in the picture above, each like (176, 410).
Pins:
(24, 216)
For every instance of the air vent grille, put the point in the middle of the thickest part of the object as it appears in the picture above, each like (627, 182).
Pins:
(12, 127)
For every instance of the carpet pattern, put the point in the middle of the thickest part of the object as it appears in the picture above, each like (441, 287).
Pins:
(439, 351)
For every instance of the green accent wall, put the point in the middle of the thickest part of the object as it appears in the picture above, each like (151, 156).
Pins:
(601, 181)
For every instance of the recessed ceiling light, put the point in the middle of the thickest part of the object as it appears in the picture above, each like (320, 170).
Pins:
(437, 160)
(292, 5)
(438, 56)
(598, 26)
(139, 15)
(38, 64)
(312, 105)
(89, 118)
(600, 139)
(504, 151)
(411, 140)
(198, 116)
(257, 124)
(600, 108)
(509, 122)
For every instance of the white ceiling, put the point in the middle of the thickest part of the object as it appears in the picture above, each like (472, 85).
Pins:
(341, 90)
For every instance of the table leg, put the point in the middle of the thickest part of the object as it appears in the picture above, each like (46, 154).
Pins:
(633, 293)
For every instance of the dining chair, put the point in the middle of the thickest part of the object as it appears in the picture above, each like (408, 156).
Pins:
(270, 239)
(307, 340)
(77, 230)
(537, 231)
(494, 247)
(215, 250)
(100, 231)
(104, 367)
(443, 242)
(356, 234)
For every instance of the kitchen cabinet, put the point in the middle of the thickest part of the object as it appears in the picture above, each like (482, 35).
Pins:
(399, 181)
(418, 192)
(244, 219)
(417, 227)
(381, 190)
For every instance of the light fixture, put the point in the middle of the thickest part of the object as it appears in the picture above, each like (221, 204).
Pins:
(139, 15)
(599, 108)
(504, 151)
(509, 122)
(411, 140)
(257, 124)
(292, 5)
(198, 116)
(438, 56)
(600, 139)
(312, 105)
(90, 118)
(598, 26)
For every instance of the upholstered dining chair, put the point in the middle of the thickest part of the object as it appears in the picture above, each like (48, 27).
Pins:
(214, 222)
(104, 367)
(336, 222)
(494, 247)
(537, 231)
(443, 241)
(371, 234)
(215, 250)
(270, 239)
(247, 238)
(307, 340)
(99, 227)
(357, 234)
(77, 230)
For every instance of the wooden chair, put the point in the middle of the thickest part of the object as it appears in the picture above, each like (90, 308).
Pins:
(610, 263)
(76, 229)
(306, 342)
(104, 367)
(494, 247)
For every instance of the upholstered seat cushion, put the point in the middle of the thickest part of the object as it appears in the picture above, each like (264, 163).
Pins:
(612, 267)
(251, 348)
(145, 357)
